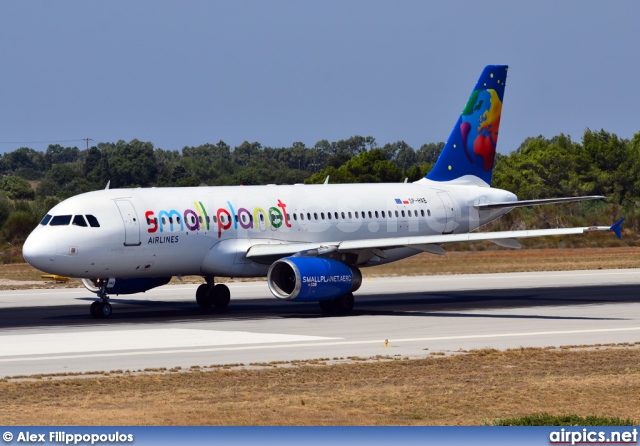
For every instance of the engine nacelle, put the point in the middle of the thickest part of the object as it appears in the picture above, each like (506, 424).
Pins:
(312, 279)
(125, 286)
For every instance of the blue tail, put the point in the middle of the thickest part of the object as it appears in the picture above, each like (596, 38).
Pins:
(471, 147)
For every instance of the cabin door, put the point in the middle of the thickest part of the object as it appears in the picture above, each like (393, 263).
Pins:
(131, 223)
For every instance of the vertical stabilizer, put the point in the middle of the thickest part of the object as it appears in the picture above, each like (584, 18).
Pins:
(471, 147)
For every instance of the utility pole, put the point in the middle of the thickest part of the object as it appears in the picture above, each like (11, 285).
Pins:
(87, 141)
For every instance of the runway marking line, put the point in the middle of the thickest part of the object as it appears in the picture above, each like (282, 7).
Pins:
(313, 344)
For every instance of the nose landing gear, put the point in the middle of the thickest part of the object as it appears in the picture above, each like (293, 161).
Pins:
(101, 309)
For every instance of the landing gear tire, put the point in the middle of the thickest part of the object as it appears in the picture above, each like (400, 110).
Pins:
(94, 309)
(100, 310)
(208, 295)
(345, 303)
(203, 296)
(221, 296)
(339, 305)
(105, 309)
(327, 307)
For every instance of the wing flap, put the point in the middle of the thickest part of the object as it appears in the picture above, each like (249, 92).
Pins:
(503, 238)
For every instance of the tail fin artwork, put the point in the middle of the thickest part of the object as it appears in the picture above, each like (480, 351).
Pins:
(471, 147)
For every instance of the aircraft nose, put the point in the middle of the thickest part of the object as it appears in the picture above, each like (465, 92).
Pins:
(39, 250)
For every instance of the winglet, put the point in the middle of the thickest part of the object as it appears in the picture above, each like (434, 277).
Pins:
(617, 228)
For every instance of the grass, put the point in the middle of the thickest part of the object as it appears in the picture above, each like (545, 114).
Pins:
(545, 419)
(462, 389)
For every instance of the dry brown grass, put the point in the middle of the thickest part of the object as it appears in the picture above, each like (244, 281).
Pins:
(23, 276)
(503, 260)
(465, 389)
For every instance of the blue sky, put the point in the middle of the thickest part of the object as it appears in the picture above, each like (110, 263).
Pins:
(184, 73)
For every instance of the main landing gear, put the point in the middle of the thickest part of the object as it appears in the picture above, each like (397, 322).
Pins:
(338, 305)
(210, 294)
(101, 309)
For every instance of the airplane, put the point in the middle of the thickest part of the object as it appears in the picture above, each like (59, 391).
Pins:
(309, 241)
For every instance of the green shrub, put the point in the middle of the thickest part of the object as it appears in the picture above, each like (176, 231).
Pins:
(545, 419)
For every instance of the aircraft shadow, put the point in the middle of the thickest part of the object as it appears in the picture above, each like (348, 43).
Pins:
(413, 304)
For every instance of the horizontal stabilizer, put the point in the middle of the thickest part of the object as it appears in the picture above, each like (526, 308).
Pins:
(617, 228)
(524, 203)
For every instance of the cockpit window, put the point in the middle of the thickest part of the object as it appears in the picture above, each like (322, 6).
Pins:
(79, 220)
(60, 220)
(45, 220)
(93, 222)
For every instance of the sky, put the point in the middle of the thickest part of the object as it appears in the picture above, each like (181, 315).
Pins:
(185, 73)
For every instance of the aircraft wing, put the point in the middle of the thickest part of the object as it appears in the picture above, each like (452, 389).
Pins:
(426, 242)
(525, 203)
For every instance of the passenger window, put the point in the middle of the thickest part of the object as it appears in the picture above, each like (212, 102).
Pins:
(428, 212)
(45, 220)
(322, 215)
(376, 214)
(397, 214)
(382, 214)
(309, 216)
(60, 220)
(315, 215)
(79, 220)
(329, 215)
(93, 222)
(422, 212)
(343, 215)
(295, 216)
(370, 214)
(301, 216)
(335, 214)
(402, 213)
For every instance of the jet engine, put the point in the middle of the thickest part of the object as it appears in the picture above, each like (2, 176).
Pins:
(312, 279)
(125, 286)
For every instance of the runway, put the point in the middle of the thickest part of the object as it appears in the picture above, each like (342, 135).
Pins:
(50, 331)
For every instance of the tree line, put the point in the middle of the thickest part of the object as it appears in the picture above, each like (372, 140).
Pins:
(31, 182)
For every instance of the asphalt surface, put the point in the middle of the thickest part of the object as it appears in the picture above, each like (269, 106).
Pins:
(50, 331)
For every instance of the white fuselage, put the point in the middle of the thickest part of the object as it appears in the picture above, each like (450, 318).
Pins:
(207, 230)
